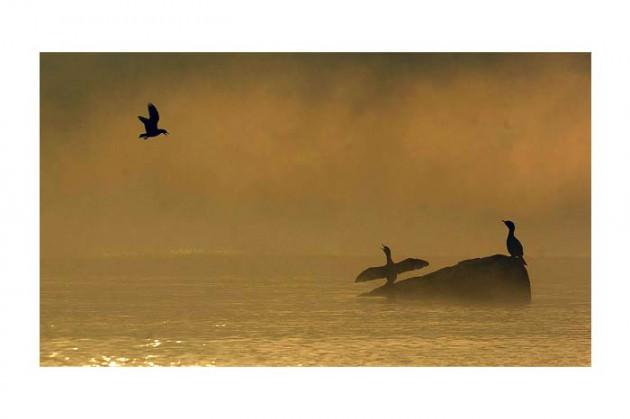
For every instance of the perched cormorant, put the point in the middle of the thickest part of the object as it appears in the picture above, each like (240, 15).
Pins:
(513, 245)
(391, 269)
(150, 124)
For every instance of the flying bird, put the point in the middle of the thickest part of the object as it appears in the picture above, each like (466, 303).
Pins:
(513, 245)
(391, 270)
(150, 124)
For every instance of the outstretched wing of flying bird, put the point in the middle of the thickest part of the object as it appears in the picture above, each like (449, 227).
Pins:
(150, 123)
(154, 116)
(372, 273)
(410, 264)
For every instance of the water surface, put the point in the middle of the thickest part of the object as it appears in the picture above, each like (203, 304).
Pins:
(187, 311)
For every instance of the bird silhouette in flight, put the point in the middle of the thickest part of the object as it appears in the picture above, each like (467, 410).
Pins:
(391, 270)
(514, 247)
(150, 124)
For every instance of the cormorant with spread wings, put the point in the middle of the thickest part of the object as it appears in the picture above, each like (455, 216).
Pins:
(391, 270)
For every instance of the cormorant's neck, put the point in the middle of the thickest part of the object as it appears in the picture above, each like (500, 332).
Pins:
(511, 233)
(389, 258)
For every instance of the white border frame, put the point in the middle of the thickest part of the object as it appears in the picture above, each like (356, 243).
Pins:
(30, 27)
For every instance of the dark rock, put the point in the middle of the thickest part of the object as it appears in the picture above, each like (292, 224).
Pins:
(493, 279)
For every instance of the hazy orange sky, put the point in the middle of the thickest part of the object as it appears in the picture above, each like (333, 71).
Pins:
(316, 153)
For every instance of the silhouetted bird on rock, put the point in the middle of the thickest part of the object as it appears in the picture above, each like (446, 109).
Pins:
(150, 124)
(513, 245)
(391, 269)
